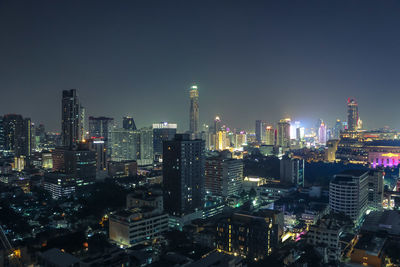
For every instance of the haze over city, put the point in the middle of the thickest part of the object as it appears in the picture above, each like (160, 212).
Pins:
(251, 60)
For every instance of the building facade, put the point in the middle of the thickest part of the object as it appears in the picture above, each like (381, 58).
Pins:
(183, 174)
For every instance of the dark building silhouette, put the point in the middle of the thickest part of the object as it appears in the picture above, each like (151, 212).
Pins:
(162, 132)
(17, 135)
(70, 118)
(183, 174)
(128, 123)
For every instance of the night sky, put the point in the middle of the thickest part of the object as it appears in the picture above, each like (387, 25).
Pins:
(251, 59)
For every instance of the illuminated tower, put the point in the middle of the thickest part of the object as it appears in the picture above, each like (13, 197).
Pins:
(283, 138)
(269, 136)
(322, 134)
(194, 110)
(217, 124)
(352, 115)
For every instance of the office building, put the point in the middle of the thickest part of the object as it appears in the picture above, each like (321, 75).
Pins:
(125, 168)
(194, 110)
(183, 174)
(143, 222)
(128, 123)
(70, 118)
(217, 124)
(83, 127)
(223, 175)
(100, 128)
(221, 141)
(283, 133)
(322, 134)
(269, 136)
(337, 129)
(98, 146)
(246, 235)
(352, 115)
(145, 156)
(292, 171)
(348, 193)
(375, 189)
(59, 184)
(163, 131)
(260, 130)
(330, 152)
(2, 135)
(17, 135)
(124, 145)
(79, 162)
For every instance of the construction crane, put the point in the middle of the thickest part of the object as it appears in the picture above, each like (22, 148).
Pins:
(14, 255)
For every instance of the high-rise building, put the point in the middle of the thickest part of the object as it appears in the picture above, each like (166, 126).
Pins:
(292, 171)
(2, 136)
(352, 115)
(82, 123)
(217, 124)
(348, 193)
(337, 129)
(146, 156)
(128, 123)
(194, 110)
(223, 175)
(124, 145)
(375, 189)
(163, 131)
(269, 136)
(260, 130)
(70, 118)
(322, 134)
(330, 152)
(100, 128)
(221, 141)
(183, 174)
(283, 136)
(17, 135)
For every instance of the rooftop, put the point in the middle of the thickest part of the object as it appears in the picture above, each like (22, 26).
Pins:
(58, 258)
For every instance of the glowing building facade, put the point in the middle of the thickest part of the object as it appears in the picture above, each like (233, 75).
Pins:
(194, 110)
(352, 115)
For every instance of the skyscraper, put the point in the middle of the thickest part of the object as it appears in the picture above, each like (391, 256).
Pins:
(145, 146)
(269, 136)
(70, 118)
(183, 174)
(260, 130)
(128, 123)
(337, 129)
(322, 134)
(17, 135)
(352, 115)
(2, 136)
(100, 128)
(124, 145)
(283, 138)
(292, 171)
(163, 131)
(194, 110)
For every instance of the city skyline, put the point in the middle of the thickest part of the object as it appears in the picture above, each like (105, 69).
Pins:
(127, 61)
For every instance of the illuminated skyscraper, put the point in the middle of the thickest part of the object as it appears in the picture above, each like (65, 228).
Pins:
(269, 136)
(322, 134)
(194, 110)
(128, 123)
(352, 115)
(217, 124)
(283, 138)
(70, 118)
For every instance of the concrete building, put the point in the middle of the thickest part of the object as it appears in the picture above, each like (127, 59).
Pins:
(223, 175)
(183, 174)
(59, 184)
(348, 193)
(163, 131)
(325, 236)
(123, 168)
(292, 171)
(375, 189)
